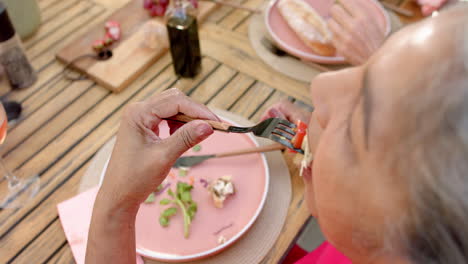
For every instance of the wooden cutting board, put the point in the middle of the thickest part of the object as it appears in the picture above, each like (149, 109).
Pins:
(131, 56)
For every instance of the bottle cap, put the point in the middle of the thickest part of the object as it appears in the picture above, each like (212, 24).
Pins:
(7, 31)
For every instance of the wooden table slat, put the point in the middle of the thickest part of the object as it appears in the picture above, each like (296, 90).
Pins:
(38, 221)
(58, 21)
(55, 9)
(276, 97)
(105, 107)
(64, 123)
(59, 35)
(222, 12)
(63, 256)
(46, 64)
(52, 237)
(234, 89)
(211, 85)
(234, 50)
(40, 120)
(55, 127)
(249, 102)
(235, 18)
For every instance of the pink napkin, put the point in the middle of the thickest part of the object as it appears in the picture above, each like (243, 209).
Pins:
(75, 215)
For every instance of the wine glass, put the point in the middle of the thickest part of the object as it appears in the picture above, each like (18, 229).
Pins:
(14, 191)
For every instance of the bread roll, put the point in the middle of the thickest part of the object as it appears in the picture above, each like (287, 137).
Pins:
(308, 25)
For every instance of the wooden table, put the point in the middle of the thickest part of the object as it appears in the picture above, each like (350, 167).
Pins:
(65, 123)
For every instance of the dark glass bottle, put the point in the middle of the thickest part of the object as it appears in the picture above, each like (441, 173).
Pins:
(16, 65)
(182, 29)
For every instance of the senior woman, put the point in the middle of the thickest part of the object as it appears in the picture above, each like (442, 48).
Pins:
(389, 182)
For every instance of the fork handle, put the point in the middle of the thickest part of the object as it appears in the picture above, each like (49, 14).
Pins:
(268, 148)
(221, 126)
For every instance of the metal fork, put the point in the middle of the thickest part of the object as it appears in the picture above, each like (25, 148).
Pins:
(276, 129)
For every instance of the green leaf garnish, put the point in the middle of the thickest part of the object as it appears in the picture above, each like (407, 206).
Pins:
(150, 198)
(165, 202)
(169, 191)
(193, 207)
(183, 198)
(164, 221)
(169, 212)
(191, 214)
(196, 148)
(186, 197)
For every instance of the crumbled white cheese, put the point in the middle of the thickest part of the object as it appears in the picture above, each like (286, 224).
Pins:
(228, 189)
(221, 240)
(220, 189)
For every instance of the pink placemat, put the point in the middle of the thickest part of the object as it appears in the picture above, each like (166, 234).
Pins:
(75, 216)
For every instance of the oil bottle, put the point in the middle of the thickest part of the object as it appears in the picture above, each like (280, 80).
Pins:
(182, 29)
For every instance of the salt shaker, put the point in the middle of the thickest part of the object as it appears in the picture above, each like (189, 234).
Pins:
(17, 68)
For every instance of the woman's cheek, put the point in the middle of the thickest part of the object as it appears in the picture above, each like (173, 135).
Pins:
(309, 190)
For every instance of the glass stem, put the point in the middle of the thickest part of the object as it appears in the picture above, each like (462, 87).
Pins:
(11, 178)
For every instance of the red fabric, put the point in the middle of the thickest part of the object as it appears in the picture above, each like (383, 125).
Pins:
(324, 254)
(295, 254)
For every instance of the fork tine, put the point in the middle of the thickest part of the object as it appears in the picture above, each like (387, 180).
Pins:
(285, 129)
(287, 123)
(281, 133)
(285, 143)
(281, 141)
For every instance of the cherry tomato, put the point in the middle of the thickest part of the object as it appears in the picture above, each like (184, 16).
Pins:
(301, 125)
(301, 131)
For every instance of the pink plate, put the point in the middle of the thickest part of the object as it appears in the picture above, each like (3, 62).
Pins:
(250, 177)
(287, 39)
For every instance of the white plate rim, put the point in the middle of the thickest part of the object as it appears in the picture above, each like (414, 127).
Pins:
(175, 258)
(306, 56)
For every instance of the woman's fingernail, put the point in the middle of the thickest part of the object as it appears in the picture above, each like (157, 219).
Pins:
(204, 129)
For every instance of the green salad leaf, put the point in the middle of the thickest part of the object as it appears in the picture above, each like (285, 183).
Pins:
(196, 148)
(150, 198)
(183, 199)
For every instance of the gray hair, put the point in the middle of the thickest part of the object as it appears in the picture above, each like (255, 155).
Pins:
(434, 162)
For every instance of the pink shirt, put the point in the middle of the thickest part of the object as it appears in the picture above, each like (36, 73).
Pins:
(324, 254)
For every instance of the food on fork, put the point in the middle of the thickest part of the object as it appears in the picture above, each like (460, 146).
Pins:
(301, 131)
(307, 158)
(221, 189)
(309, 26)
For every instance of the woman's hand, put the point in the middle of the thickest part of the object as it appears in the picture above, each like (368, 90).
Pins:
(141, 160)
(357, 30)
(139, 163)
(287, 110)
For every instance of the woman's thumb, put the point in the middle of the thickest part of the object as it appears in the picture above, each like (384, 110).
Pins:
(186, 137)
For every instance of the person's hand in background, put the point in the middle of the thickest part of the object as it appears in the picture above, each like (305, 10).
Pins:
(357, 30)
